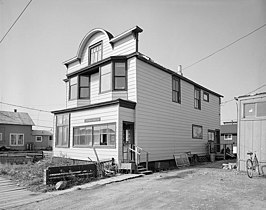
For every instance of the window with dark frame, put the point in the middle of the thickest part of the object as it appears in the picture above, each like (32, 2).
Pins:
(95, 53)
(206, 96)
(73, 88)
(62, 130)
(120, 76)
(84, 86)
(197, 132)
(228, 137)
(16, 139)
(176, 92)
(197, 102)
(94, 135)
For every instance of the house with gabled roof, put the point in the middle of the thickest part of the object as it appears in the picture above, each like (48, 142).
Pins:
(16, 132)
(15, 129)
(123, 105)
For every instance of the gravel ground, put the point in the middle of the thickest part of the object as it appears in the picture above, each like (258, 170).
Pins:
(201, 187)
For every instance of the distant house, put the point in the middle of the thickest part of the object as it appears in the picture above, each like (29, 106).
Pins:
(16, 132)
(42, 139)
(121, 103)
(15, 129)
(229, 134)
(251, 128)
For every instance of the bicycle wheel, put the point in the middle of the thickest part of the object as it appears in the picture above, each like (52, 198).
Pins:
(249, 166)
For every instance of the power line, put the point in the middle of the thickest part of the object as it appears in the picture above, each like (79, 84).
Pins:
(217, 51)
(15, 21)
(40, 110)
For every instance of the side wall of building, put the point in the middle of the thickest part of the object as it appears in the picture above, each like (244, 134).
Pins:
(163, 127)
(6, 130)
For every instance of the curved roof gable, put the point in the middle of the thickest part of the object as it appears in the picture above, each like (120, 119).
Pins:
(88, 36)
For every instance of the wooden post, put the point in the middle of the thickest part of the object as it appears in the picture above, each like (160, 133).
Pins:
(224, 150)
(46, 176)
(147, 161)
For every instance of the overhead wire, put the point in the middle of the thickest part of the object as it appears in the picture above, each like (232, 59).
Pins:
(15, 22)
(40, 110)
(223, 48)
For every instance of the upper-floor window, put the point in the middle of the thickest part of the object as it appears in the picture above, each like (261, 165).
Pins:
(206, 96)
(62, 130)
(120, 76)
(176, 93)
(16, 139)
(95, 53)
(73, 88)
(197, 102)
(254, 110)
(84, 87)
(105, 78)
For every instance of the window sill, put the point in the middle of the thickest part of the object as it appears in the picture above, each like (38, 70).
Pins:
(61, 146)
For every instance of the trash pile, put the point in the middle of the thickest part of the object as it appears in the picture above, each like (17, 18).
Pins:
(229, 166)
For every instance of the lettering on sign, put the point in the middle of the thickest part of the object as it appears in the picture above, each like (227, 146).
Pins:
(92, 120)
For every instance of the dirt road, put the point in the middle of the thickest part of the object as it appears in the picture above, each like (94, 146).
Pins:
(193, 188)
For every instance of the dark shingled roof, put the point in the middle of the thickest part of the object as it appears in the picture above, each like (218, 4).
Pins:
(15, 118)
(229, 129)
(41, 133)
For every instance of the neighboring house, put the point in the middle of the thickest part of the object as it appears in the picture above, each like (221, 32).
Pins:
(42, 139)
(16, 132)
(251, 128)
(119, 99)
(229, 135)
(15, 129)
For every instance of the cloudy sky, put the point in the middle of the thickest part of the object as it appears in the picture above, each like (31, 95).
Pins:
(175, 32)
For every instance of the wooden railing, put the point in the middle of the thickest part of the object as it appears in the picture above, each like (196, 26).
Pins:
(137, 151)
(221, 150)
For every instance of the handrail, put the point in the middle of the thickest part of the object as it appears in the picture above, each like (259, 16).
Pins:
(137, 152)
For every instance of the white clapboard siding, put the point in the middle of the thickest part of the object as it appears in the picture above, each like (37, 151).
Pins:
(165, 127)
(131, 79)
(127, 115)
(125, 46)
(108, 114)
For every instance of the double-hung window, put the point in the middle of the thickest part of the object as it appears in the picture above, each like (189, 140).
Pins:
(95, 53)
(176, 93)
(105, 78)
(73, 88)
(211, 135)
(62, 130)
(84, 87)
(16, 139)
(120, 76)
(197, 102)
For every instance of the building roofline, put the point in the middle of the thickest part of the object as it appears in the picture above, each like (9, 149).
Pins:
(120, 102)
(134, 30)
(251, 95)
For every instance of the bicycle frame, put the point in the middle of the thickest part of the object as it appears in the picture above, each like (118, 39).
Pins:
(252, 164)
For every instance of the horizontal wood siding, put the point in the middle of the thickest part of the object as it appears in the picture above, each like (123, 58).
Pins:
(125, 46)
(165, 127)
(127, 115)
(107, 115)
(131, 79)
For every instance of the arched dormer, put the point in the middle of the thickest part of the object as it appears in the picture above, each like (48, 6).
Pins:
(86, 39)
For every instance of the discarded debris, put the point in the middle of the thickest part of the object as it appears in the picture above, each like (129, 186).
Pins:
(229, 166)
(61, 185)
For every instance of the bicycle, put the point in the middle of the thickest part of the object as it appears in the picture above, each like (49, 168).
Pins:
(252, 164)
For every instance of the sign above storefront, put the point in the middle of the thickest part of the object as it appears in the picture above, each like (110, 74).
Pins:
(92, 120)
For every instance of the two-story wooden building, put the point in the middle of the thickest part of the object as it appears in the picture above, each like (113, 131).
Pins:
(119, 99)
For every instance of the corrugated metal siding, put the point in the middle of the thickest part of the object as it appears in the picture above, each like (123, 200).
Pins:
(165, 127)
(108, 115)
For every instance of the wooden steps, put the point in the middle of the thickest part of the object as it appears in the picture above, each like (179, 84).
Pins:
(142, 170)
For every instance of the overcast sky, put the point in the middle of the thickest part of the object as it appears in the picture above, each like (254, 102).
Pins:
(175, 32)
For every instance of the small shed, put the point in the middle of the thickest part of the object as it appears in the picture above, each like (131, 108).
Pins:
(251, 128)
(42, 139)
